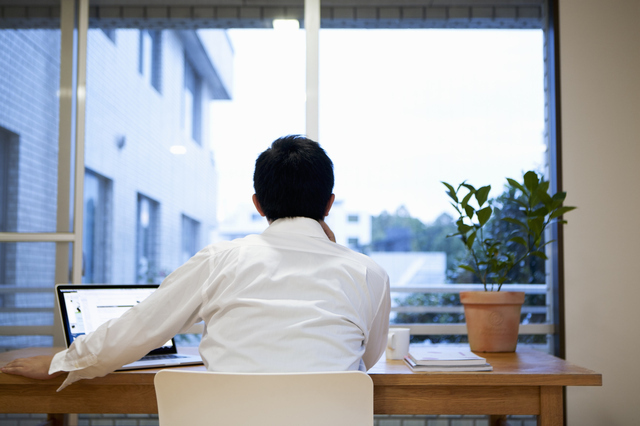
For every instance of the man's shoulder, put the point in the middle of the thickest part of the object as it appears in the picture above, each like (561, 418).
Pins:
(224, 246)
(364, 260)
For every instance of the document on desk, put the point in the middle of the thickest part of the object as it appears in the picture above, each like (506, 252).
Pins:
(445, 358)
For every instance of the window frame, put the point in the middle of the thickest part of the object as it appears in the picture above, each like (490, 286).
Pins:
(74, 25)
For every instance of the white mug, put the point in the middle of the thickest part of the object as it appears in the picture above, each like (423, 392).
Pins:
(398, 343)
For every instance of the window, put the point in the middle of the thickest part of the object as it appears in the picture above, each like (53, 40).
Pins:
(29, 129)
(190, 237)
(156, 59)
(353, 218)
(8, 206)
(150, 57)
(192, 102)
(97, 223)
(119, 102)
(147, 249)
(205, 64)
(8, 176)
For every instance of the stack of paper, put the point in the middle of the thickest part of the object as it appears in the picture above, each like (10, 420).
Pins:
(443, 358)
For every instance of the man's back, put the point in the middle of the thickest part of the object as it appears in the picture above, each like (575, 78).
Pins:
(287, 300)
(291, 300)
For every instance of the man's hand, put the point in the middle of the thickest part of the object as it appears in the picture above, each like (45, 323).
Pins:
(36, 367)
(327, 230)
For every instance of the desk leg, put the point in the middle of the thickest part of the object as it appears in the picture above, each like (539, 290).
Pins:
(498, 420)
(550, 406)
(61, 420)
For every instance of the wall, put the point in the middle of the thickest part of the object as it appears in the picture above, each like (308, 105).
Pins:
(600, 101)
(29, 78)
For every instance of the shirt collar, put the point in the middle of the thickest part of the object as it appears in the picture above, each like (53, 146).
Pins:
(297, 225)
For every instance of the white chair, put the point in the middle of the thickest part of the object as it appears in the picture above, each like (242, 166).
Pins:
(197, 398)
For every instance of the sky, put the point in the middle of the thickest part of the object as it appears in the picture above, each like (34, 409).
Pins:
(400, 111)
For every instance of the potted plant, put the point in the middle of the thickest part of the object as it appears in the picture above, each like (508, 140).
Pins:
(493, 316)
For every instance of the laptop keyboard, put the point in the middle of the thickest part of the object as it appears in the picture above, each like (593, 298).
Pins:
(159, 357)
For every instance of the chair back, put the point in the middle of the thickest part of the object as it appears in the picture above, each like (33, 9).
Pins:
(198, 398)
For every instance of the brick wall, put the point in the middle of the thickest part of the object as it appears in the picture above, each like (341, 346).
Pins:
(29, 80)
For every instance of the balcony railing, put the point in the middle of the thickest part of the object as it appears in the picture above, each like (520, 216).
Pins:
(416, 328)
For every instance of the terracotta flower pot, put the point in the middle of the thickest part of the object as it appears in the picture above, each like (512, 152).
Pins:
(493, 319)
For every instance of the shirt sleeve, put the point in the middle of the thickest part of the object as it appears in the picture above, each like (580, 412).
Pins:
(172, 308)
(377, 341)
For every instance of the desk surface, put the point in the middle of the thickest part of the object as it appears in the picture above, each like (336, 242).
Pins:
(524, 366)
(524, 382)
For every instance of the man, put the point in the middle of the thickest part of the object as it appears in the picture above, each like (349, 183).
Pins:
(288, 300)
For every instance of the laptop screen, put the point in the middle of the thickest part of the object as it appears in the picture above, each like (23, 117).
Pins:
(85, 307)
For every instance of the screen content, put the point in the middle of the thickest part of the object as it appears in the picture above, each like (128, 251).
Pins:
(87, 309)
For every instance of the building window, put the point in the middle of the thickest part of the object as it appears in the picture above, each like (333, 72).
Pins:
(150, 57)
(190, 240)
(353, 242)
(8, 203)
(97, 220)
(353, 218)
(192, 102)
(147, 238)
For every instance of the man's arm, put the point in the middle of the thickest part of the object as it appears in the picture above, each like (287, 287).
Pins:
(173, 307)
(377, 342)
(36, 367)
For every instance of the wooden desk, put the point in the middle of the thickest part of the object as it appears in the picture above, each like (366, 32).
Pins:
(524, 382)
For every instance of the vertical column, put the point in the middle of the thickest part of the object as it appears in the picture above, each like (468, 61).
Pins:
(312, 29)
(81, 90)
(67, 24)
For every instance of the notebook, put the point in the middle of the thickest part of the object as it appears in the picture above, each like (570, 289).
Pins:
(83, 308)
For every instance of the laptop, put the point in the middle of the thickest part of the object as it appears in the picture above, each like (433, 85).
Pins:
(83, 308)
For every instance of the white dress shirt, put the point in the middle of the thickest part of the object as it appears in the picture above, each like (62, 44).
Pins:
(287, 300)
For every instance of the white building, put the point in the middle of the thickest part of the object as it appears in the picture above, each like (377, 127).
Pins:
(147, 209)
(351, 227)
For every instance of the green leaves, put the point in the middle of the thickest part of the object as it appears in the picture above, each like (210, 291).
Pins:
(484, 215)
(515, 184)
(531, 181)
(532, 209)
(519, 240)
(482, 194)
(451, 192)
(560, 211)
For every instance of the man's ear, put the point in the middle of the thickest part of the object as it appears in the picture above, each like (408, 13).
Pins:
(257, 205)
(329, 204)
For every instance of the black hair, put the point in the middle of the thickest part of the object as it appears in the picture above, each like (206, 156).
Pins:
(294, 177)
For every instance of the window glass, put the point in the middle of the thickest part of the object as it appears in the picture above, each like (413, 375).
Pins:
(29, 80)
(192, 102)
(147, 236)
(190, 237)
(137, 146)
(149, 55)
(400, 111)
(96, 237)
(156, 59)
(29, 105)
(425, 106)
(268, 102)
(26, 296)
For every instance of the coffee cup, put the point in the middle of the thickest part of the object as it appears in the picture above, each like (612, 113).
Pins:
(398, 343)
